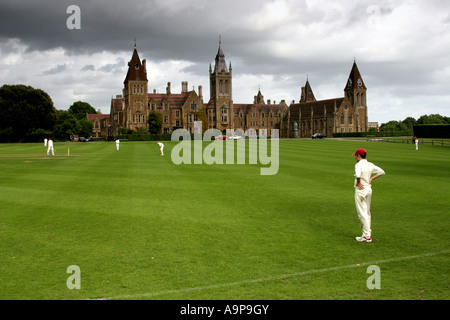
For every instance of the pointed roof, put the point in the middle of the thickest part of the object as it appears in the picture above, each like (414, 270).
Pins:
(221, 65)
(307, 94)
(355, 81)
(136, 70)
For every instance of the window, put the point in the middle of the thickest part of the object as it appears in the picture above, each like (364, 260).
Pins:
(177, 113)
(342, 119)
(193, 106)
(350, 119)
(166, 119)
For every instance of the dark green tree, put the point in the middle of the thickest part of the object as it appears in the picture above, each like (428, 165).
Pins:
(85, 128)
(409, 122)
(80, 108)
(431, 119)
(26, 114)
(66, 125)
(155, 122)
(393, 126)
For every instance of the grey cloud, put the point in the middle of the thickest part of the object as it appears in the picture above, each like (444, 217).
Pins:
(88, 67)
(58, 69)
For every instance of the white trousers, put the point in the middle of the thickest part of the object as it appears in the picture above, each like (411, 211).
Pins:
(48, 150)
(162, 150)
(363, 199)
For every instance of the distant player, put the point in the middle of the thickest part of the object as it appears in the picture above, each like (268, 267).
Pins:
(365, 172)
(416, 141)
(161, 147)
(117, 144)
(50, 147)
(45, 142)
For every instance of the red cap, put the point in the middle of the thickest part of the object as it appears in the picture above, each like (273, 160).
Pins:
(360, 151)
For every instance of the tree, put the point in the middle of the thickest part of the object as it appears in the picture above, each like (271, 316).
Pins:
(409, 122)
(25, 113)
(85, 128)
(155, 122)
(393, 126)
(431, 119)
(79, 109)
(66, 125)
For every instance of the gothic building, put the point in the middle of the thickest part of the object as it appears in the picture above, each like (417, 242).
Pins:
(130, 111)
(344, 114)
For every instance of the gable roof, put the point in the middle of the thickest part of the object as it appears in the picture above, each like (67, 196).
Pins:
(317, 107)
(352, 82)
(95, 116)
(307, 94)
(136, 71)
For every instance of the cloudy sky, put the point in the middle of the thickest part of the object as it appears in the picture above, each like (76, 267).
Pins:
(402, 48)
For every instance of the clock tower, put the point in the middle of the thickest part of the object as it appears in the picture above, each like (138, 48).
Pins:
(220, 83)
(135, 94)
(356, 93)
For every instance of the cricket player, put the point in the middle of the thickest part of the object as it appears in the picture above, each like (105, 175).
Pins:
(45, 142)
(416, 141)
(365, 173)
(161, 147)
(117, 144)
(50, 147)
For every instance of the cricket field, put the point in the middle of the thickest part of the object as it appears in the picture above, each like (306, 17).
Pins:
(96, 223)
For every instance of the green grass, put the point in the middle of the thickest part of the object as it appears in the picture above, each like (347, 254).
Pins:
(140, 227)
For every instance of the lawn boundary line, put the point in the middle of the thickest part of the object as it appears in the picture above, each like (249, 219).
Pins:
(296, 274)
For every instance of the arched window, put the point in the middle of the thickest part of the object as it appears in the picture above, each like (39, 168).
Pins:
(342, 119)
(350, 119)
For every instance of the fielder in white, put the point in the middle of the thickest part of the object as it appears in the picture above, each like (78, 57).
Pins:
(365, 173)
(117, 144)
(161, 147)
(50, 147)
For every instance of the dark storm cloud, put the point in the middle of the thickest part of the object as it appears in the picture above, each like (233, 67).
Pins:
(400, 46)
(163, 29)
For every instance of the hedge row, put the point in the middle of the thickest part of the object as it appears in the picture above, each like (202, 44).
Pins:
(432, 130)
(144, 137)
(372, 134)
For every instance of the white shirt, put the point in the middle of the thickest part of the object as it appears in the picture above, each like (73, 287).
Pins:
(364, 171)
(117, 141)
(160, 144)
(50, 143)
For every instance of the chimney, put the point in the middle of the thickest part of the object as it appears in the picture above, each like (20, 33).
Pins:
(303, 95)
(184, 87)
(144, 64)
(200, 92)
(268, 101)
(168, 88)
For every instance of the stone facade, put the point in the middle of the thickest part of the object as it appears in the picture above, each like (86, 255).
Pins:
(345, 114)
(179, 110)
